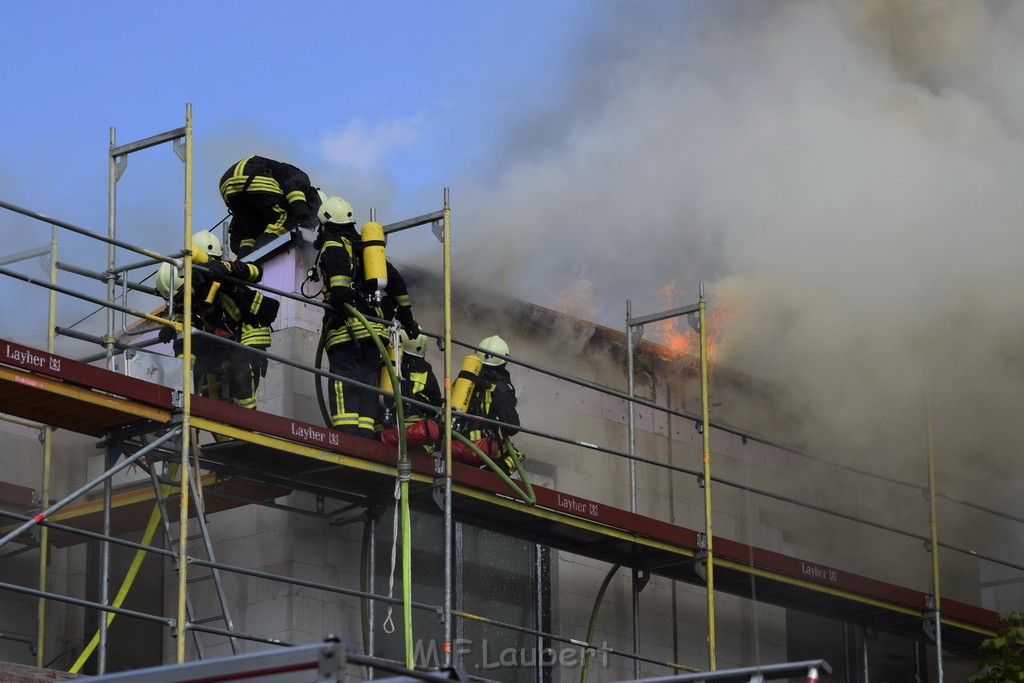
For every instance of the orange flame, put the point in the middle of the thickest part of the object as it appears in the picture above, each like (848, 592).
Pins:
(675, 335)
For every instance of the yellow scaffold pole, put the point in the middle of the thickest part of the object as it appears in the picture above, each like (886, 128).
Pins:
(44, 537)
(706, 447)
(446, 434)
(186, 406)
(934, 530)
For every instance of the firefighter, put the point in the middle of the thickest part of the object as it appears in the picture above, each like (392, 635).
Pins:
(350, 348)
(228, 308)
(494, 397)
(248, 313)
(419, 383)
(266, 199)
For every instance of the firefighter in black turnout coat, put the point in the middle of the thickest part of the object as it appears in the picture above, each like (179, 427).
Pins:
(350, 348)
(229, 309)
(494, 397)
(418, 383)
(266, 199)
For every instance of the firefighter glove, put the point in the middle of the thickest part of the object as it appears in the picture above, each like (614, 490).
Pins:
(219, 270)
(412, 328)
(340, 296)
(166, 334)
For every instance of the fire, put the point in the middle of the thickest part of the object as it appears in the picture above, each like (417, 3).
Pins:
(677, 338)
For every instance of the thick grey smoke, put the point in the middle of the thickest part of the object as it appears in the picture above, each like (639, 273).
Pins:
(843, 176)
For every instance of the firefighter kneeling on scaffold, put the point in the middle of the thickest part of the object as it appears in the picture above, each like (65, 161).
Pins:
(485, 389)
(418, 383)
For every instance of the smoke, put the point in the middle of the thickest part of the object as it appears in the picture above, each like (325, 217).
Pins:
(844, 175)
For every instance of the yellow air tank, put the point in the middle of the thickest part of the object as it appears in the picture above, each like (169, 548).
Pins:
(212, 294)
(202, 258)
(375, 264)
(466, 382)
(199, 256)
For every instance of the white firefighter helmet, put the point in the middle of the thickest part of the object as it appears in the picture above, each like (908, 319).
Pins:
(168, 279)
(491, 345)
(417, 346)
(208, 242)
(336, 210)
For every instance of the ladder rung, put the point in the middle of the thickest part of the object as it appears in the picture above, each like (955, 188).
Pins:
(175, 544)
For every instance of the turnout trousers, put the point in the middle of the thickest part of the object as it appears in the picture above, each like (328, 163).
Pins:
(354, 410)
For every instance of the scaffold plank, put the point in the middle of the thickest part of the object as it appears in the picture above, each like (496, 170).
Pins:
(69, 406)
(41, 363)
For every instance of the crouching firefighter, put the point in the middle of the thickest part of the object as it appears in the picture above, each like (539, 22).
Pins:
(484, 388)
(418, 383)
(355, 272)
(266, 199)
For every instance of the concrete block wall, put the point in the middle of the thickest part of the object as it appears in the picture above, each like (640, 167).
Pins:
(23, 465)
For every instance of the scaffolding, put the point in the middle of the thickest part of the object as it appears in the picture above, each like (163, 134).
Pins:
(142, 422)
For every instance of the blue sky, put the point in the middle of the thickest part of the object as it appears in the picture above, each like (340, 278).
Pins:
(384, 103)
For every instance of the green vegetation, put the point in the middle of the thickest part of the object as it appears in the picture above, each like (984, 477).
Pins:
(1004, 653)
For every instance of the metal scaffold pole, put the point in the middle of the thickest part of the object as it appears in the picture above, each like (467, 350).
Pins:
(44, 536)
(706, 447)
(113, 174)
(635, 579)
(114, 171)
(933, 523)
(448, 525)
(186, 403)
(632, 407)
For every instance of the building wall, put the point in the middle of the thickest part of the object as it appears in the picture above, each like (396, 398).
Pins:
(22, 464)
(284, 541)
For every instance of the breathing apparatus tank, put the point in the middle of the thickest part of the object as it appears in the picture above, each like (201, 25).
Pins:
(200, 256)
(169, 277)
(462, 392)
(375, 264)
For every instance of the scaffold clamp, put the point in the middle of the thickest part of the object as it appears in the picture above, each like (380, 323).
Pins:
(404, 470)
(929, 624)
(332, 656)
(437, 490)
